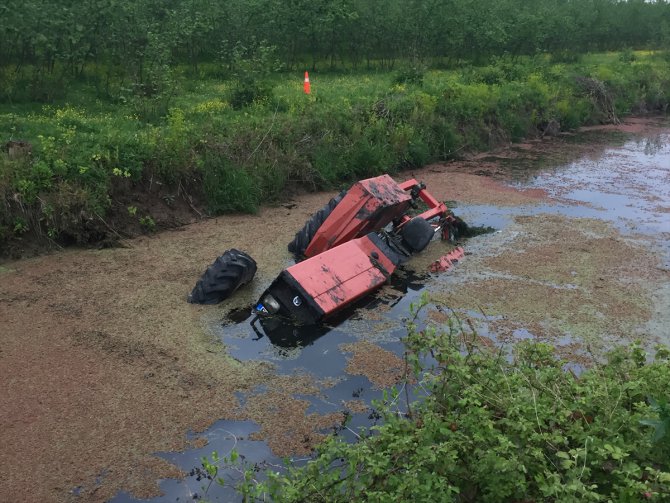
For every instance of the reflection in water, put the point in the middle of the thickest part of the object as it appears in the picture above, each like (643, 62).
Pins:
(629, 185)
(284, 334)
(654, 145)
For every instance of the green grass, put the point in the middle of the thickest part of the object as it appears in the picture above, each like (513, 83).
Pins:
(90, 147)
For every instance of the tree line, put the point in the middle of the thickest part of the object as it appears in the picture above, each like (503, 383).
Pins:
(71, 36)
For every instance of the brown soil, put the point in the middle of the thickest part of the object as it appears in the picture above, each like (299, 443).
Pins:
(383, 368)
(160, 207)
(285, 425)
(102, 362)
(477, 189)
(356, 406)
(634, 125)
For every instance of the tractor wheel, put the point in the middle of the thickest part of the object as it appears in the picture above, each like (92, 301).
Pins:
(228, 272)
(417, 233)
(305, 235)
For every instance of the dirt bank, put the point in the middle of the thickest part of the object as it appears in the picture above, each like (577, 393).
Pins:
(104, 363)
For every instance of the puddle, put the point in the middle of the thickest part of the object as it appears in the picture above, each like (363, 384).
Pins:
(288, 347)
(555, 297)
(582, 271)
(238, 315)
(628, 184)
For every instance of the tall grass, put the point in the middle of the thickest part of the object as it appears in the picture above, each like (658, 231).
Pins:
(90, 147)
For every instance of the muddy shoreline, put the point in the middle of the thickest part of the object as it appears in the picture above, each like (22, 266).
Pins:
(104, 363)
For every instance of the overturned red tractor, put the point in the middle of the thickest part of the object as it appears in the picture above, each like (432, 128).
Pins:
(350, 247)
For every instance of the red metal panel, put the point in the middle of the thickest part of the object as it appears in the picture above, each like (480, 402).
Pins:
(436, 208)
(368, 206)
(446, 262)
(408, 184)
(343, 274)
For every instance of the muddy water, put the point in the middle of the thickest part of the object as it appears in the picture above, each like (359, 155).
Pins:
(584, 269)
(594, 257)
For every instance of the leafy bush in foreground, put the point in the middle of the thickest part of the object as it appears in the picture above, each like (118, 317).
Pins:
(489, 428)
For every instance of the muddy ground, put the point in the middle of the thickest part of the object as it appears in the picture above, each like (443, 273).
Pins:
(103, 363)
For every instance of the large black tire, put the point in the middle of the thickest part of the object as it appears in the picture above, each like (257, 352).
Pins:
(416, 234)
(228, 272)
(305, 235)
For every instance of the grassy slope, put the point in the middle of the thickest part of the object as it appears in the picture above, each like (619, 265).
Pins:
(94, 158)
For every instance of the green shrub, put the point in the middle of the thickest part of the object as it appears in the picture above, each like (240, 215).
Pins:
(326, 166)
(566, 56)
(256, 138)
(419, 152)
(228, 188)
(573, 112)
(367, 158)
(492, 75)
(148, 223)
(247, 92)
(31, 85)
(410, 75)
(171, 146)
(444, 138)
(493, 427)
(627, 55)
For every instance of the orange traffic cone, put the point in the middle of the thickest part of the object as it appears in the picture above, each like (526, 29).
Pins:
(307, 87)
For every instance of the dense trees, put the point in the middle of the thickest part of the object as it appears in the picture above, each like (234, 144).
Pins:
(67, 35)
